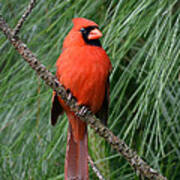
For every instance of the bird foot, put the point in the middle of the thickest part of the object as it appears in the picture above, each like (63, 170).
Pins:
(69, 94)
(83, 110)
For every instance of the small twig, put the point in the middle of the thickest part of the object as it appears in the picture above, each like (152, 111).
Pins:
(131, 156)
(95, 169)
(24, 16)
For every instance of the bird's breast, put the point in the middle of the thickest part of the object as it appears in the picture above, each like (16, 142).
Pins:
(84, 71)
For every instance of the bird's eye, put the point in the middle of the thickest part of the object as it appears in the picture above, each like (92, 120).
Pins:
(82, 30)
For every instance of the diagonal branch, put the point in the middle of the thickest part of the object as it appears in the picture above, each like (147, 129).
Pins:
(131, 156)
(95, 169)
(24, 16)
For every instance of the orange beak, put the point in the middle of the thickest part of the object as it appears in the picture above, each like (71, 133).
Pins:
(94, 34)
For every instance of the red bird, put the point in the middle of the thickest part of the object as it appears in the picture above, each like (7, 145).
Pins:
(83, 68)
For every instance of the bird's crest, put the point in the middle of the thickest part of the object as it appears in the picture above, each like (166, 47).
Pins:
(82, 23)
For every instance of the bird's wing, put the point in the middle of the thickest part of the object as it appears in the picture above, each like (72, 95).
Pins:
(102, 114)
(56, 109)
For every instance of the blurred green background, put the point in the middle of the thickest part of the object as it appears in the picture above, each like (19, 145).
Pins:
(142, 39)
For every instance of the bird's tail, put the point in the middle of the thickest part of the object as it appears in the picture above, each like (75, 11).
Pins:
(76, 163)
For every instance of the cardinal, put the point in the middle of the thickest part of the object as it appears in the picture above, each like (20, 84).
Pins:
(83, 68)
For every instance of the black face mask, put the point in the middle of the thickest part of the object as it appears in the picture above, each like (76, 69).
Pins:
(85, 32)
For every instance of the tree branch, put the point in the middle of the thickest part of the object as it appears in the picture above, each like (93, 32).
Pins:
(24, 16)
(95, 169)
(131, 156)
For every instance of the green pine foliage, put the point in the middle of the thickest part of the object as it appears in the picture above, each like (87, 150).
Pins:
(142, 39)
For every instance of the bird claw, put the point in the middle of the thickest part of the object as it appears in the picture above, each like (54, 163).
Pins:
(83, 110)
(69, 96)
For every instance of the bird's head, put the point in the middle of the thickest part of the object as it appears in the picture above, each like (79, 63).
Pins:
(84, 32)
